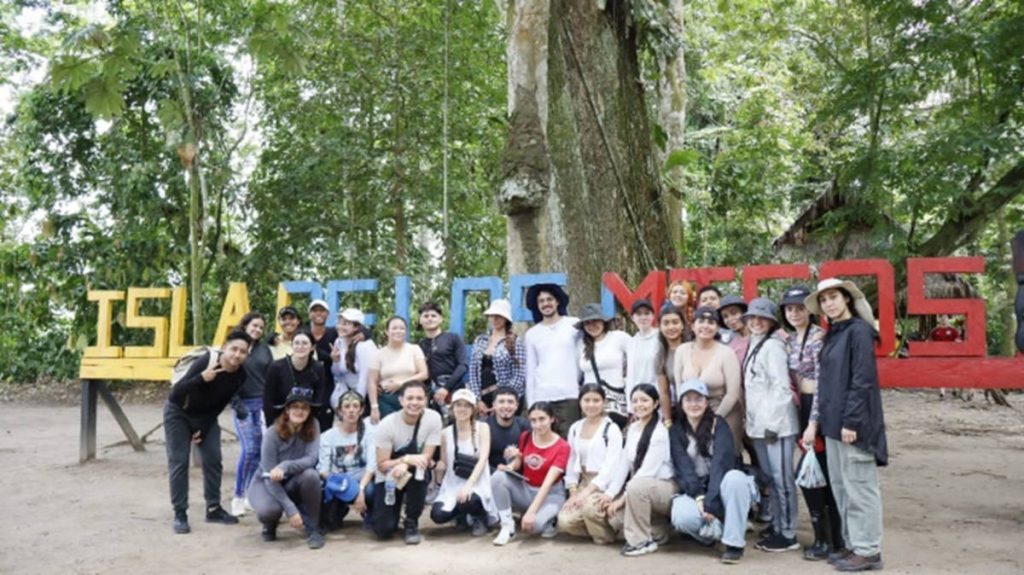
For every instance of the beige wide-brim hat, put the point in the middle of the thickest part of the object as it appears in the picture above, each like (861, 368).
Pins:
(861, 307)
(500, 307)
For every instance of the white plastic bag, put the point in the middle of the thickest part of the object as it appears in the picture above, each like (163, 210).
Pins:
(810, 475)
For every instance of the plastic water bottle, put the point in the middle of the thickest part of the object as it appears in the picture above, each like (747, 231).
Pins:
(389, 490)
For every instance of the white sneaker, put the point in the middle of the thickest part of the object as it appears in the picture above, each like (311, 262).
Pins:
(238, 506)
(504, 536)
(644, 548)
(248, 506)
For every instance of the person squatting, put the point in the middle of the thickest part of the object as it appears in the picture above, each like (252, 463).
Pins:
(699, 423)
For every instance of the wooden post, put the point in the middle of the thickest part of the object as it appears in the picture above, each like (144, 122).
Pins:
(87, 436)
(119, 416)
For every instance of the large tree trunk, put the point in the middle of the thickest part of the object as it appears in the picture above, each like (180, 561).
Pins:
(580, 184)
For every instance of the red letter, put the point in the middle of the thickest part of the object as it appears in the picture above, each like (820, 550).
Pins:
(883, 271)
(754, 274)
(973, 309)
(653, 288)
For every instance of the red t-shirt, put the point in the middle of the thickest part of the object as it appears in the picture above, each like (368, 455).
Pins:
(537, 461)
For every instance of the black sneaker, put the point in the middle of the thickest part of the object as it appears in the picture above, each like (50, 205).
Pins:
(412, 534)
(181, 523)
(216, 514)
(269, 532)
(315, 540)
(817, 552)
(766, 533)
(732, 554)
(778, 543)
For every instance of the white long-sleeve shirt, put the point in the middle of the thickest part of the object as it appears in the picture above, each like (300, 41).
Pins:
(641, 362)
(344, 379)
(552, 373)
(657, 463)
(610, 355)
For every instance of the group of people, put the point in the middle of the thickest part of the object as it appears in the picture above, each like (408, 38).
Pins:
(695, 423)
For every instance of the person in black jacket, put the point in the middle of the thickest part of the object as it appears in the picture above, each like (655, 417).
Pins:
(715, 497)
(298, 369)
(848, 409)
(190, 418)
(445, 353)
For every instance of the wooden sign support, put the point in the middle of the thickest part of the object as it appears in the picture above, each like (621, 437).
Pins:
(92, 389)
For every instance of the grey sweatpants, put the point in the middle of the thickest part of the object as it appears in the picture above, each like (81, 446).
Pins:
(514, 494)
(775, 458)
(303, 490)
(853, 475)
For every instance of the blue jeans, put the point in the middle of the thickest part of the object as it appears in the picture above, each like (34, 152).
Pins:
(738, 491)
(250, 438)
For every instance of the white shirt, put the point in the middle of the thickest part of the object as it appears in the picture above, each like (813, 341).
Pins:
(593, 453)
(551, 373)
(641, 361)
(610, 355)
(657, 463)
(344, 379)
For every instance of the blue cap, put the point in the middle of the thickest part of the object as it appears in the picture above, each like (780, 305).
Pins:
(693, 384)
(342, 487)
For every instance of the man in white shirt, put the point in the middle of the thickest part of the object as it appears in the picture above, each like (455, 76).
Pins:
(552, 372)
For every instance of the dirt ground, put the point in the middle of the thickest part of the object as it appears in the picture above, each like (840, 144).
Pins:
(953, 496)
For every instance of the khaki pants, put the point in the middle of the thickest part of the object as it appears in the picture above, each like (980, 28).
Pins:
(587, 520)
(853, 476)
(648, 505)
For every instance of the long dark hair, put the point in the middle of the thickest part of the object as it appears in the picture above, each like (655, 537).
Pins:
(306, 432)
(510, 340)
(663, 347)
(545, 407)
(705, 429)
(645, 437)
(350, 354)
(592, 388)
(589, 343)
(248, 318)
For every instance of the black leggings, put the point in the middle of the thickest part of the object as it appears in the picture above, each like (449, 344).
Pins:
(820, 501)
(472, 508)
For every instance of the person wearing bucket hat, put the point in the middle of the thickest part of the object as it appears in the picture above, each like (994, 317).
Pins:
(298, 369)
(289, 483)
(446, 356)
(498, 358)
(465, 493)
(602, 359)
(347, 462)
(771, 421)
(715, 496)
(549, 344)
(642, 355)
(351, 355)
(716, 365)
(848, 411)
(805, 343)
(290, 324)
(730, 315)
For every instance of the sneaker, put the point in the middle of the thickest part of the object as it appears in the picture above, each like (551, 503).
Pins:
(504, 536)
(778, 543)
(549, 532)
(238, 506)
(819, 551)
(248, 506)
(216, 514)
(412, 534)
(854, 562)
(662, 538)
(644, 548)
(269, 532)
(479, 528)
(181, 523)
(732, 555)
(315, 540)
(838, 554)
(462, 523)
(766, 532)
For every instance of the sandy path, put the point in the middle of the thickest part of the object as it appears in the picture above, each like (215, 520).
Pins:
(954, 502)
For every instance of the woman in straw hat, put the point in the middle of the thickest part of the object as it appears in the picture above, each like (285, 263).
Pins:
(848, 411)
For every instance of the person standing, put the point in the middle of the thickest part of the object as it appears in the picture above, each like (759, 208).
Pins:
(289, 483)
(771, 421)
(351, 355)
(323, 339)
(849, 414)
(644, 347)
(248, 412)
(281, 343)
(680, 296)
(445, 353)
(602, 360)
(498, 358)
(405, 442)
(551, 376)
(190, 418)
(298, 369)
(394, 364)
(730, 315)
(671, 332)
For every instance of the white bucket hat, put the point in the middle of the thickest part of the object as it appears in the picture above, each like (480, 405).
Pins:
(861, 307)
(500, 307)
(353, 315)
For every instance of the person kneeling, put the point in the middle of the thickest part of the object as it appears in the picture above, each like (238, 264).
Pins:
(716, 497)
(405, 442)
(288, 481)
(538, 493)
(348, 459)
(465, 493)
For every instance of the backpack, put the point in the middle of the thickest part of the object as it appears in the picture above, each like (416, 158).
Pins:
(185, 362)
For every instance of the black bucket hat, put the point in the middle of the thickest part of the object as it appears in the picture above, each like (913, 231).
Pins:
(591, 312)
(534, 291)
(303, 394)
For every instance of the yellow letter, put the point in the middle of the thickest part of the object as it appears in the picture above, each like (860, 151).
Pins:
(177, 348)
(236, 304)
(103, 319)
(157, 324)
